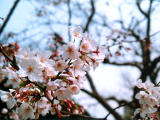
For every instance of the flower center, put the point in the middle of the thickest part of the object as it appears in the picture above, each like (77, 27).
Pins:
(74, 88)
(43, 60)
(59, 65)
(25, 55)
(76, 34)
(70, 50)
(84, 46)
(27, 109)
(30, 68)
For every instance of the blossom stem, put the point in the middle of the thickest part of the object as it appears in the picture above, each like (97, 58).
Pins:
(13, 62)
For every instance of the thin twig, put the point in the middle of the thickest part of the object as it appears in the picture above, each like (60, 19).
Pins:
(9, 15)
(69, 18)
(12, 61)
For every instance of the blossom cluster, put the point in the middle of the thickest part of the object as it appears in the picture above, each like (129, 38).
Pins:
(45, 81)
(148, 97)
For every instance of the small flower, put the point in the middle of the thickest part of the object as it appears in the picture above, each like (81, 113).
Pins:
(142, 96)
(32, 68)
(25, 111)
(51, 85)
(24, 53)
(44, 58)
(13, 80)
(70, 51)
(148, 99)
(4, 111)
(56, 101)
(88, 44)
(76, 32)
(49, 71)
(152, 101)
(140, 84)
(9, 99)
(60, 65)
(148, 85)
(142, 113)
(154, 91)
(63, 93)
(74, 89)
(78, 67)
(43, 106)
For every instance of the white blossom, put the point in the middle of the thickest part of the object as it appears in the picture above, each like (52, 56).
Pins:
(46, 80)
(24, 53)
(76, 32)
(63, 93)
(25, 111)
(148, 99)
(9, 99)
(88, 44)
(32, 68)
(60, 65)
(43, 106)
(51, 85)
(74, 89)
(70, 51)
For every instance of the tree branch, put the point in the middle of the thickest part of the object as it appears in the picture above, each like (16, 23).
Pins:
(91, 16)
(134, 64)
(115, 99)
(120, 102)
(121, 105)
(103, 102)
(77, 116)
(140, 9)
(69, 18)
(9, 15)
(91, 83)
(12, 61)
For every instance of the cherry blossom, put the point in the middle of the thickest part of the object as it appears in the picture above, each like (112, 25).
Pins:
(46, 81)
(32, 68)
(25, 111)
(76, 32)
(148, 97)
(9, 99)
(70, 51)
(60, 65)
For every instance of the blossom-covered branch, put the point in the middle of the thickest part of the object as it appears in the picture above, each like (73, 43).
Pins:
(45, 81)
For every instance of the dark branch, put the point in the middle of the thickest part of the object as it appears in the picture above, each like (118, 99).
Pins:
(120, 102)
(134, 64)
(140, 9)
(75, 116)
(9, 15)
(91, 83)
(103, 102)
(91, 16)
(69, 18)
(115, 99)
(122, 105)
(12, 61)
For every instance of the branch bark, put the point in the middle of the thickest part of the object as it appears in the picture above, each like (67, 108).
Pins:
(69, 18)
(12, 61)
(91, 16)
(91, 83)
(140, 9)
(103, 102)
(8, 16)
(134, 64)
